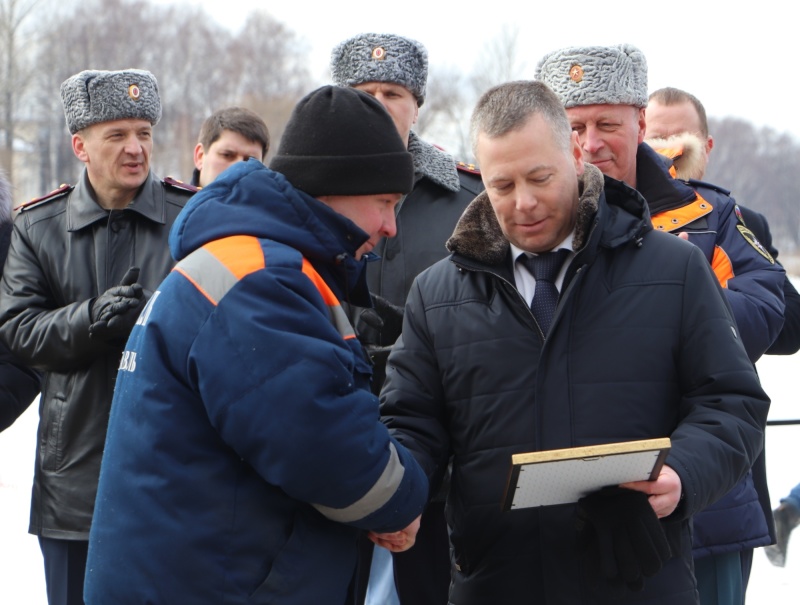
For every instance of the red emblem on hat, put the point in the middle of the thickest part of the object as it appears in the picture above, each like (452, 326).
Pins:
(134, 92)
(378, 53)
(576, 73)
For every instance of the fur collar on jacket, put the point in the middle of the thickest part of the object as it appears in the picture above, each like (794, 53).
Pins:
(686, 152)
(433, 163)
(478, 234)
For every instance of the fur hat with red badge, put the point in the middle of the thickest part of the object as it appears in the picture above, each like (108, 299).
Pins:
(94, 96)
(596, 75)
(381, 58)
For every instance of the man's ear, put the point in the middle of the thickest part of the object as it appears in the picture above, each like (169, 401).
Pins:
(199, 154)
(79, 147)
(642, 125)
(577, 152)
(709, 144)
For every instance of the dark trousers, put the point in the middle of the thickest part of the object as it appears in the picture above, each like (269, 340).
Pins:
(747, 565)
(64, 570)
(422, 573)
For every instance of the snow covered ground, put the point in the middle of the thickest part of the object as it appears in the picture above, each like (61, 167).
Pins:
(22, 578)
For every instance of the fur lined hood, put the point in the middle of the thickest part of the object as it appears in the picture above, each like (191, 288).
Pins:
(478, 234)
(686, 152)
(433, 163)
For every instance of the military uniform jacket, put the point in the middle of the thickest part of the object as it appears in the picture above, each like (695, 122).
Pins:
(65, 251)
(750, 277)
(425, 220)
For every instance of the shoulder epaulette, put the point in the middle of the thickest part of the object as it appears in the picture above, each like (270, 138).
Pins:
(176, 184)
(53, 195)
(717, 188)
(464, 167)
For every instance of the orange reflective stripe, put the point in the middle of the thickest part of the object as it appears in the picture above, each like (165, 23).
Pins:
(241, 254)
(722, 266)
(216, 267)
(338, 316)
(327, 294)
(671, 220)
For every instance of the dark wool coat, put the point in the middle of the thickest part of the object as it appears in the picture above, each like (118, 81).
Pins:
(642, 345)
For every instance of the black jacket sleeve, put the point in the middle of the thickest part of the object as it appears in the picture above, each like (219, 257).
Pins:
(19, 386)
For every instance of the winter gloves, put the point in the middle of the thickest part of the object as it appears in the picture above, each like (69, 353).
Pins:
(114, 312)
(621, 539)
(378, 329)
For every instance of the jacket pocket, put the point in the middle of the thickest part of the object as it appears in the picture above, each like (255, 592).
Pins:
(51, 439)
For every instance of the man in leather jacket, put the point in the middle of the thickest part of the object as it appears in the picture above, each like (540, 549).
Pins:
(81, 264)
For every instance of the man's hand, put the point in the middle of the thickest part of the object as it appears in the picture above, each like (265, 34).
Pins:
(380, 325)
(397, 541)
(114, 312)
(664, 494)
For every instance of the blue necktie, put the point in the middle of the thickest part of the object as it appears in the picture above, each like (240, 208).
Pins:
(545, 268)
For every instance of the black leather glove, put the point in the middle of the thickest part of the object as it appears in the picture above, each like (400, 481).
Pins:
(377, 330)
(114, 312)
(621, 539)
(380, 325)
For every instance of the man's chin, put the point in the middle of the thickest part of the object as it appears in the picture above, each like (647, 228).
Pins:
(134, 181)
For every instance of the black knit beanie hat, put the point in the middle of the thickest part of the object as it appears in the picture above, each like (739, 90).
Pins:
(341, 141)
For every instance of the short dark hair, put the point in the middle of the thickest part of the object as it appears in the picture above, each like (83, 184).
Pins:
(508, 107)
(675, 96)
(236, 119)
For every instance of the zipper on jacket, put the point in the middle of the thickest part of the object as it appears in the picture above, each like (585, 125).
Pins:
(464, 267)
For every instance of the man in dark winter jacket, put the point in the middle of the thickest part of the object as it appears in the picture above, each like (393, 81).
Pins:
(604, 90)
(395, 71)
(81, 264)
(675, 116)
(245, 451)
(486, 368)
(723, 536)
(19, 384)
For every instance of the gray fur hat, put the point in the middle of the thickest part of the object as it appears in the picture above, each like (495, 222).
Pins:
(93, 96)
(381, 58)
(596, 75)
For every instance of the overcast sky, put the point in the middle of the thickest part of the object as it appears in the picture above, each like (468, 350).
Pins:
(739, 60)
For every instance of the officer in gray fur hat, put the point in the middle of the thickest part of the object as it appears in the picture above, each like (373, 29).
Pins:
(81, 264)
(394, 69)
(604, 91)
